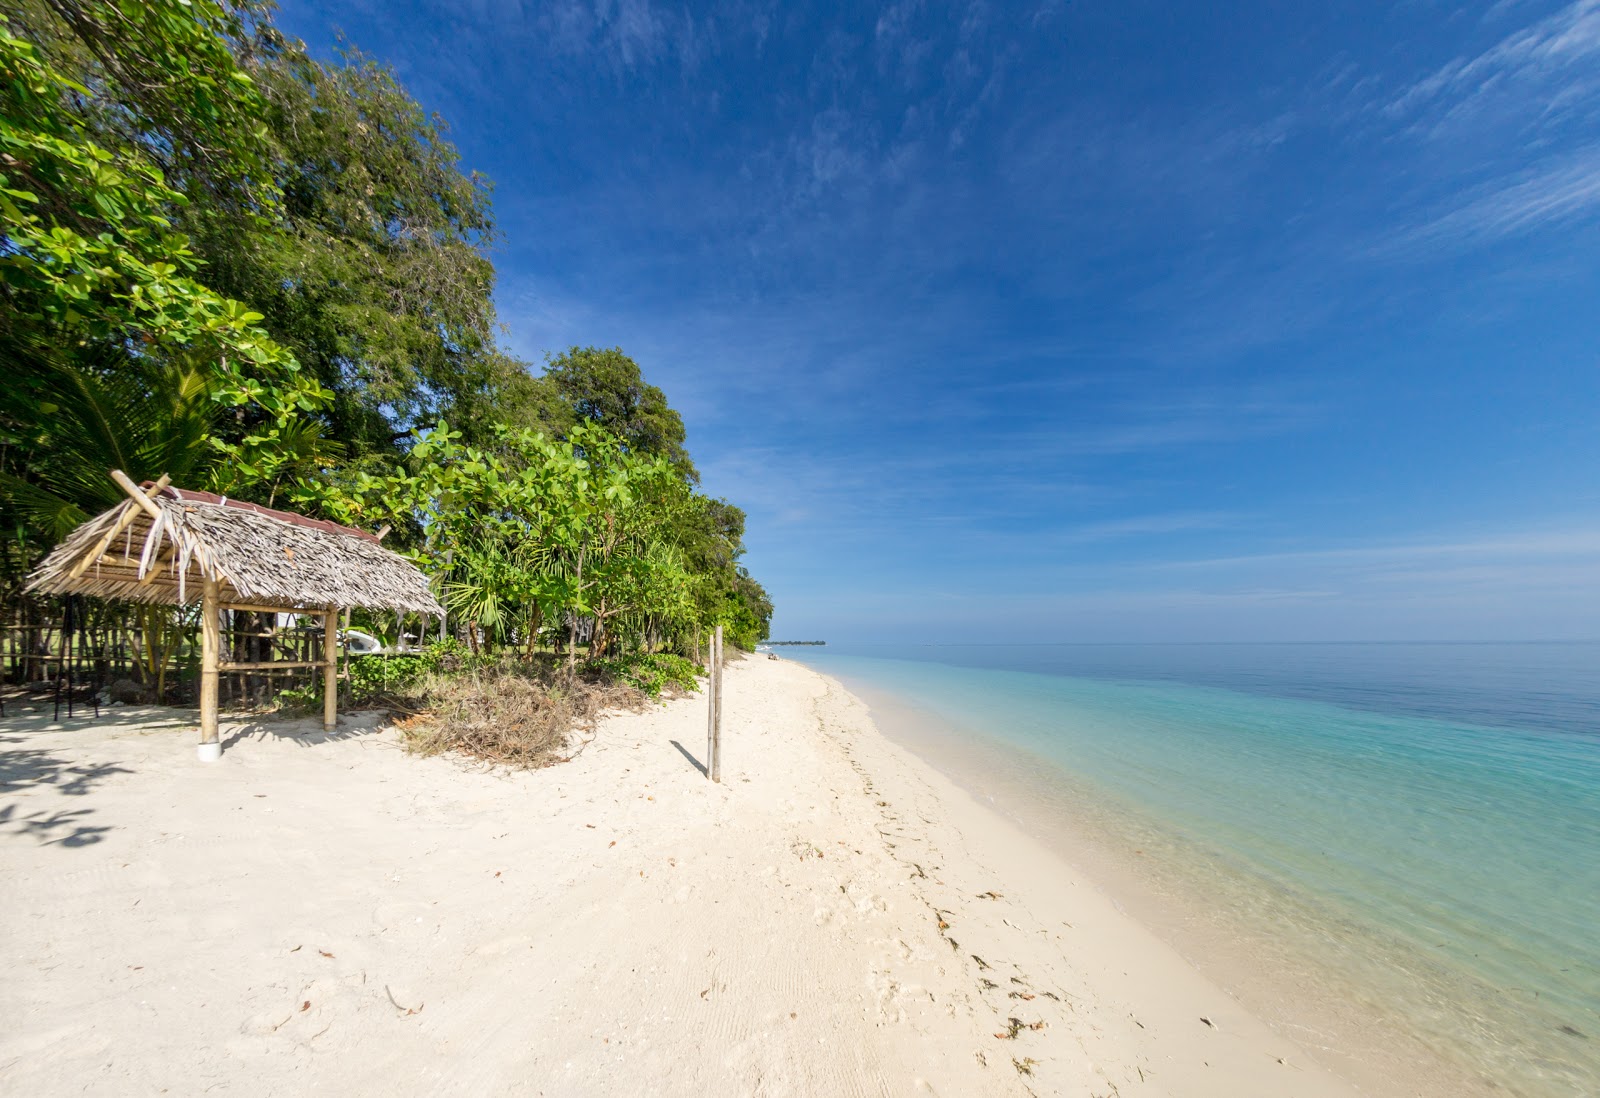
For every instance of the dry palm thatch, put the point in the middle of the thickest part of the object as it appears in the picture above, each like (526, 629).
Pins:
(256, 555)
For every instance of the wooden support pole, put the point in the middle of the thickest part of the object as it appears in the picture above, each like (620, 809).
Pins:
(330, 670)
(348, 686)
(716, 706)
(210, 656)
(711, 698)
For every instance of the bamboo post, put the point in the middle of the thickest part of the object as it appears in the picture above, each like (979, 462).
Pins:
(348, 689)
(711, 698)
(716, 707)
(330, 670)
(210, 644)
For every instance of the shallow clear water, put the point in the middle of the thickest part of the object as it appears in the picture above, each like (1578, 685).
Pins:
(1425, 818)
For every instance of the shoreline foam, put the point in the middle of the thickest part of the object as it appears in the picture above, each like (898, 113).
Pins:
(325, 912)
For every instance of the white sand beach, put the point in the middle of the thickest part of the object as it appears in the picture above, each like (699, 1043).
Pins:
(320, 914)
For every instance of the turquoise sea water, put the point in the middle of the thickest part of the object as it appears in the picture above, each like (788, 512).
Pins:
(1413, 829)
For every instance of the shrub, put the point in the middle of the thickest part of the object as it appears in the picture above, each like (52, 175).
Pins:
(447, 655)
(373, 677)
(510, 712)
(652, 672)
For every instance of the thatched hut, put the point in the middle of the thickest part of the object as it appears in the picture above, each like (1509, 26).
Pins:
(175, 546)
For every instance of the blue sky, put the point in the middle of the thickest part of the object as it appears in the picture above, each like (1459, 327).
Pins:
(1088, 321)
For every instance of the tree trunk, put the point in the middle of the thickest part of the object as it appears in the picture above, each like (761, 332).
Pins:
(534, 619)
(572, 627)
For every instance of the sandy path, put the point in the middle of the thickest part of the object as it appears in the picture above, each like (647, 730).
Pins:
(328, 915)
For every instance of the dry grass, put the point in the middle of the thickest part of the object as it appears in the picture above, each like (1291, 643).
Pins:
(515, 714)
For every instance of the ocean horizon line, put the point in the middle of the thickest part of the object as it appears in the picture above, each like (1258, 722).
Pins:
(1211, 644)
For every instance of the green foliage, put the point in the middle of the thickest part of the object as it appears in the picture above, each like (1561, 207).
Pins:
(224, 260)
(746, 611)
(89, 250)
(374, 270)
(373, 677)
(607, 388)
(651, 672)
(300, 701)
(531, 529)
(118, 352)
(445, 656)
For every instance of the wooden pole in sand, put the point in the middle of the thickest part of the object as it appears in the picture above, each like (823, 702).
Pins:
(210, 654)
(330, 670)
(716, 707)
(711, 698)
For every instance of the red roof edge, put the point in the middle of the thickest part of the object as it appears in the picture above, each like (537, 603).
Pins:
(190, 495)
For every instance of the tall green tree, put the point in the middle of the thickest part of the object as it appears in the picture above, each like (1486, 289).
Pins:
(606, 387)
(88, 249)
(375, 272)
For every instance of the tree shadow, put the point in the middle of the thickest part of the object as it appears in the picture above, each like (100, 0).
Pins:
(39, 715)
(303, 731)
(23, 770)
(24, 767)
(60, 828)
(684, 751)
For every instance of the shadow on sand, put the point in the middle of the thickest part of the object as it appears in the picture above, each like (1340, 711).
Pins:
(27, 770)
(28, 774)
(684, 751)
(302, 731)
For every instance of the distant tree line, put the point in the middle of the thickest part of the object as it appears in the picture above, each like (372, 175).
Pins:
(268, 276)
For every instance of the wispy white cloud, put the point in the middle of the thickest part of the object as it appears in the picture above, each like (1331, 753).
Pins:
(628, 34)
(1141, 527)
(1514, 550)
(1560, 49)
(1553, 192)
(903, 51)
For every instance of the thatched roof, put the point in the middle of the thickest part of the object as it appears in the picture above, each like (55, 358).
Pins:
(258, 556)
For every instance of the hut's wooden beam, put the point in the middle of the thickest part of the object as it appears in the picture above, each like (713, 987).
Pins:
(261, 608)
(268, 665)
(210, 656)
(330, 670)
(138, 496)
(122, 523)
(155, 570)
